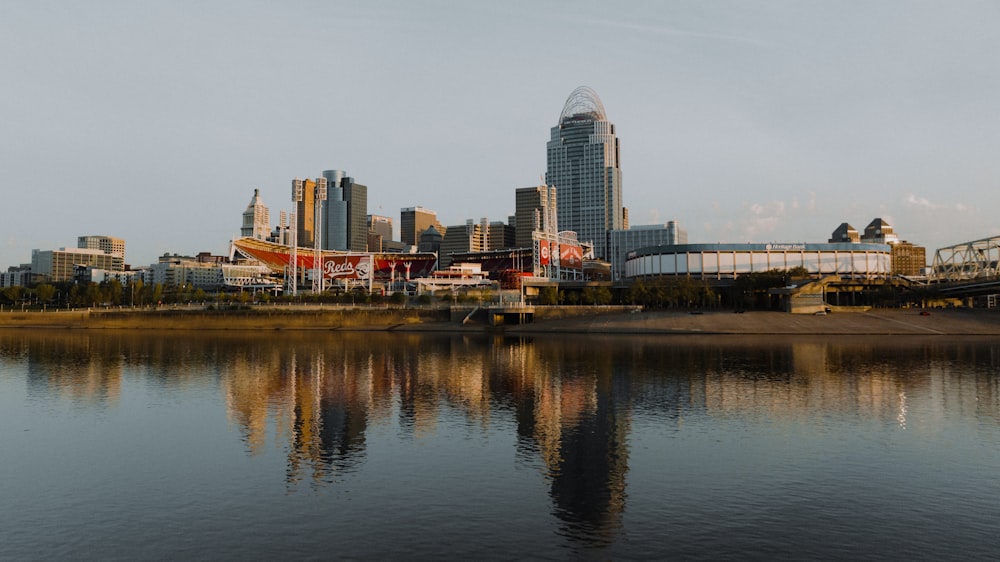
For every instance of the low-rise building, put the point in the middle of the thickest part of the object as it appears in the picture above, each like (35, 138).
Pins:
(55, 266)
(908, 259)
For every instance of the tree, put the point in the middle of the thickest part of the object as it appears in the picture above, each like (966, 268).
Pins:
(638, 293)
(74, 297)
(136, 292)
(45, 292)
(114, 291)
(92, 294)
(157, 293)
(798, 272)
(548, 296)
(13, 294)
(596, 295)
(602, 296)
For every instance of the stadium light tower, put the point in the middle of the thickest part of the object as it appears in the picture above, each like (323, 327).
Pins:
(293, 272)
(319, 197)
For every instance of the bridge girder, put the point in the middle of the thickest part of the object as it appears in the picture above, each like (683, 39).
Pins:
(968, 260)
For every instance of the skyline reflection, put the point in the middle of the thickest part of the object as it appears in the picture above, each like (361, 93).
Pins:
(575, 401)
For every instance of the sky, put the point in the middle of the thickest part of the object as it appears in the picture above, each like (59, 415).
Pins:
(770, 121)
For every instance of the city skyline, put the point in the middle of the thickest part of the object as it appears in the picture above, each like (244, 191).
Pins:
(743, 123)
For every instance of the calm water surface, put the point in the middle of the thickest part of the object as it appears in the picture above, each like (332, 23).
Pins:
(396, 446)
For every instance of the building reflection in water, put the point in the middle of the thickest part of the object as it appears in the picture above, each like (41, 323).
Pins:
(574, 401)
(77, 368)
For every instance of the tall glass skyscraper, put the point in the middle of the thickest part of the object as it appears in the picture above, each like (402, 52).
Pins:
(345, 213)
(583, 165)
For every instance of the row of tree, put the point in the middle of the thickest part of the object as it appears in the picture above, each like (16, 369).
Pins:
(749, 291)
(109, 293)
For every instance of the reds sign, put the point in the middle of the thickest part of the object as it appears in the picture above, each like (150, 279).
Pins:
(347, 267)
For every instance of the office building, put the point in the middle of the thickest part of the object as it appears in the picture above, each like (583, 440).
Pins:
(500, 236)
(532, 206)
(380, 225)
(106, 244)
(844, 233)
(56, 266)
(413, 221)
(908, 259)
(379, 233)
(468, 237)
(879, 232)
(345, 213)
(621, 242)
(256, 219)
(281, 233)
(583, 166)
(305, 213)
(18, 276)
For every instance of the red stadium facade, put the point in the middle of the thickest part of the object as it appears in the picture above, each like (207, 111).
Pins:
(340, 265)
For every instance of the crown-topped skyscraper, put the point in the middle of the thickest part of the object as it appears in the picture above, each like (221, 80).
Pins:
(583, 165)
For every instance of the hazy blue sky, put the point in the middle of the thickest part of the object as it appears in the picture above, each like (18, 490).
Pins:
(744, 121)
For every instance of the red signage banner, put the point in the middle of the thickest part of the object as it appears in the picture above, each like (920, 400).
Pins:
(570, 257)
(543, 252)
(347, 267)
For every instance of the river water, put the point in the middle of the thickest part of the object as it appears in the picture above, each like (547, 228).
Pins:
(117, 445)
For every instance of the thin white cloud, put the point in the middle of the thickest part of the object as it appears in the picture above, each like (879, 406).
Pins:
(923, 203)
(762, 218)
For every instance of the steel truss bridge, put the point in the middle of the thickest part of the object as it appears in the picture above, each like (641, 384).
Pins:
(969, 268)
(967, 261)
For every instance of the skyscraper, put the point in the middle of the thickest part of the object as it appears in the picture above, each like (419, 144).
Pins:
(345, 214)
(256, 219)
(413, 221)
(305, 217)
(583, 165)
(531, 207)
(463, 238)
(500, 236)
(379, 232)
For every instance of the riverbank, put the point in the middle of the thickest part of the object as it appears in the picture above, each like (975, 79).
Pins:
(253, 318)
(558, 320)
(873, 322)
